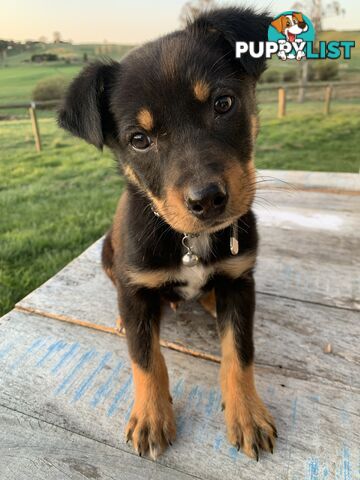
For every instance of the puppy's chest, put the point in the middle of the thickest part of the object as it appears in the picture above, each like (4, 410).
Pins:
(196, 277)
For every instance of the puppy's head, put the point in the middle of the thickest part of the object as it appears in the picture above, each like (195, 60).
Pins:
(180, 115)
(290, 25)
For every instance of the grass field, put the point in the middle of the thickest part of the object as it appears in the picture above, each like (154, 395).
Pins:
(17, 83)
(56, 203)
(52, 204)
(18, 79)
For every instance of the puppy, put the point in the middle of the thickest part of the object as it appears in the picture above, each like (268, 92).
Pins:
(290, 26)
(179, 113)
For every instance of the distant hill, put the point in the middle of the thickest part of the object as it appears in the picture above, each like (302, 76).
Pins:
(67, 52)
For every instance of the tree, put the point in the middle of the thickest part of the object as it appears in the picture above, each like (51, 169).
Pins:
(57, 37)
(317, 12)
(193, 8)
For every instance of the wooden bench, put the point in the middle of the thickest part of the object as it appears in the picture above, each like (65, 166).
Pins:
(66, 390)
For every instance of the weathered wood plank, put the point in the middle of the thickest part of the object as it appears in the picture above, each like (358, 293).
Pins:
(77, 288)
(33, 449)
(316, 268)
(313, 267)
(79, 379)
(291, 197)
(340, 182)
(289, 335)
(296, 331)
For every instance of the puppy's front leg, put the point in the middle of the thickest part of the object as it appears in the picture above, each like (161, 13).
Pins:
(249, 424)
(151, 426)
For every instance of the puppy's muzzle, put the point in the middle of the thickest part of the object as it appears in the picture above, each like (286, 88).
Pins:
(206, 202)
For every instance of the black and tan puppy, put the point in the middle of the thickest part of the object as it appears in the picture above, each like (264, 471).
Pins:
(179, 114)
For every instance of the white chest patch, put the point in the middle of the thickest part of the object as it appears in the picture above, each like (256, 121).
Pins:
(197, 276)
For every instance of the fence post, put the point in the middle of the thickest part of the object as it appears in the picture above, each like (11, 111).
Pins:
(35, 126)
(282, 102)
(328, 93)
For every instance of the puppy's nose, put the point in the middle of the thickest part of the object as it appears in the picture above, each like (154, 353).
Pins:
(302, 25)
(206, 202)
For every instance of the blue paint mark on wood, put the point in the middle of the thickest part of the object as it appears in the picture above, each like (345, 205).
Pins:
(119, 395)
(106, 388)
(128, 411)
(192, 403)
(66, 383)
(314, 398)
(344, 416)
(210, 403)
(89, 380)
(65, 359)
(195, 396)
(233, 453)
(178, 390)
(34, 347)
(54, 348)
(346, 463)
(313, 469)
(326, 473)
(219, 439)
(5, 350)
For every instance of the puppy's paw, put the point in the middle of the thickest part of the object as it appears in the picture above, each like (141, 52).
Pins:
(151, 427)
(250, 426)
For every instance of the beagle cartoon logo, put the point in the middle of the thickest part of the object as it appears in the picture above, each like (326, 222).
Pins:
(291, 30)
(291, 36)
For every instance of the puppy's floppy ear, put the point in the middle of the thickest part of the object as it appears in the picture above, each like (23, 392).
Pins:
(237, 25)
(85, 111)
(278, 23)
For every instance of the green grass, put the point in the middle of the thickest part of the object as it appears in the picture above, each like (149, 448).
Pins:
(307, 140)
(56, 203)
(53, 204)
(18, 79)
(17, 83)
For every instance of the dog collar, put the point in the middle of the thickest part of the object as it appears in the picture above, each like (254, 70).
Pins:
(190, 259)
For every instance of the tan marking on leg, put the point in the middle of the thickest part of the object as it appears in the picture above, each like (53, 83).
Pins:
(151, 427)
(145, 119)
(149, 278)
(249, 424)
(208, 302)
(201, 91)
(235, 267)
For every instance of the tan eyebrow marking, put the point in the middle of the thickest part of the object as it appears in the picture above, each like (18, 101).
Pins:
(145, 119)
(201, 90)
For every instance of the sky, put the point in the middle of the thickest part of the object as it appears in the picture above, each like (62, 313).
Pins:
(124, 21)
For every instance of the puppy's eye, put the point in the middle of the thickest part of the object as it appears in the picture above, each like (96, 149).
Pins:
(140, 141)
(223, 104)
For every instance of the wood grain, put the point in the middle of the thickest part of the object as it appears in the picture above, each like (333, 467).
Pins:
(34, 449)
(79, 380)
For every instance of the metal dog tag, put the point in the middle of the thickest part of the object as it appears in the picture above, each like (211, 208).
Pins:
(190, 259)
(234, 240)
